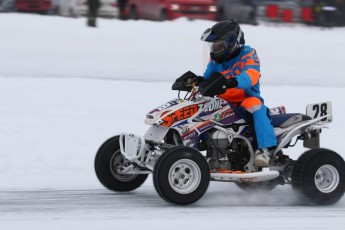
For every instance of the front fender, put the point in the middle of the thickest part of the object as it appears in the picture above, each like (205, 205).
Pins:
(156, 133)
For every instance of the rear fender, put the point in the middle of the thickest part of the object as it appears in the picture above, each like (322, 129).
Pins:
(309, 126)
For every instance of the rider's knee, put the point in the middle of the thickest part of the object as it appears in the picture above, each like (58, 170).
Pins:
(252, 104)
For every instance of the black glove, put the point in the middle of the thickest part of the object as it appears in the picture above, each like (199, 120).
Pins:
(214, 85)
(199, 79)
(185, 82)
(231, 83)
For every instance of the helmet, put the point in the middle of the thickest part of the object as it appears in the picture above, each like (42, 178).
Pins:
(226, 39)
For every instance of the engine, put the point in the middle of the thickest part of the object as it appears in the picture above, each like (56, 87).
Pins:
(223, 155)
(218, 151)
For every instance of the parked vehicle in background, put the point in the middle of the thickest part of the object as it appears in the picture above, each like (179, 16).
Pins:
(55, 5)
(7, 5)
(38, 6)
(76, 8)
(69, 8)
(161, 10)
(282, 5)
(243, 11)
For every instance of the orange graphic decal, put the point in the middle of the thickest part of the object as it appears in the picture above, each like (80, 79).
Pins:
(179, 115)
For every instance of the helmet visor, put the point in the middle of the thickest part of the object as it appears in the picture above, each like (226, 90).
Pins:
(218, 47)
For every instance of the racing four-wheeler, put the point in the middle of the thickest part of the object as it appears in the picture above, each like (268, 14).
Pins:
(197, 139)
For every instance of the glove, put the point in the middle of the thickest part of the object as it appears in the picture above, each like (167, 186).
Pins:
(185, 82)
(199, 79)
(231, 83)
(214, 85)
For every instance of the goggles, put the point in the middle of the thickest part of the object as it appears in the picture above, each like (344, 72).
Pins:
(218, 46)
(221, 46)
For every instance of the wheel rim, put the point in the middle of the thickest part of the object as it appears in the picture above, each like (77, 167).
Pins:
(184, 176)
(118, 161)
(326, 178)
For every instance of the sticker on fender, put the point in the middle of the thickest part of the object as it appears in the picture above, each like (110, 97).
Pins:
(321, 109)
(178, 115)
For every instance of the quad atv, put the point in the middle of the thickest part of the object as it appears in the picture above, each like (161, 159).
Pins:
(194, 140)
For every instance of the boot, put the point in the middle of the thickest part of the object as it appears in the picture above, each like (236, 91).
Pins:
(262, 157)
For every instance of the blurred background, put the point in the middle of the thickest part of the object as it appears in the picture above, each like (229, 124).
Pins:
(326, 13)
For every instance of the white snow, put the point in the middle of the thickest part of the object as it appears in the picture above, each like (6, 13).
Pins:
(66, 88)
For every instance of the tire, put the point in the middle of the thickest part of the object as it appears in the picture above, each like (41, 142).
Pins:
(319, 176)
(172, 170)
(108, 158)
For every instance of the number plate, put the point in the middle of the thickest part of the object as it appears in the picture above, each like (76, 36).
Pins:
(320, 110)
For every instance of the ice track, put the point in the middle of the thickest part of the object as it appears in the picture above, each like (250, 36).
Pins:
(223, 206)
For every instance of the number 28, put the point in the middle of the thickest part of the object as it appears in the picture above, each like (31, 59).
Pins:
(320, 109)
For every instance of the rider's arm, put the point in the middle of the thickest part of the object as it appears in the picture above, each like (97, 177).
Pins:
(210, 69)
(250, 74)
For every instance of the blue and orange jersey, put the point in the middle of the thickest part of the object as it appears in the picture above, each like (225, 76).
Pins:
(246, 69)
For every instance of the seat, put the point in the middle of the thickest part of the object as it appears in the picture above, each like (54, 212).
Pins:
(285, 120)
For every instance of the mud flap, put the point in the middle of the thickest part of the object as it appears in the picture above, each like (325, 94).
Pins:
(312, 139)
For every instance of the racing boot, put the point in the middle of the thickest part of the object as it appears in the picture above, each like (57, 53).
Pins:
(262, 157)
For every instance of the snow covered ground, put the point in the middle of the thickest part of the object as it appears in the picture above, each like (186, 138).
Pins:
(66, 88)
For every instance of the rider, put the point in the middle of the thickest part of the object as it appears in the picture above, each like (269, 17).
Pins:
(240, 65)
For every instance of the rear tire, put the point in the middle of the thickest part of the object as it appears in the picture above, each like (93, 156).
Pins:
(107, 164)
(319, 176)
(181, 175)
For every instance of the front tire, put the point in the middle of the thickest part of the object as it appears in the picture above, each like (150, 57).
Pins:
(108, 163)
(319, 176)
(181, 175)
